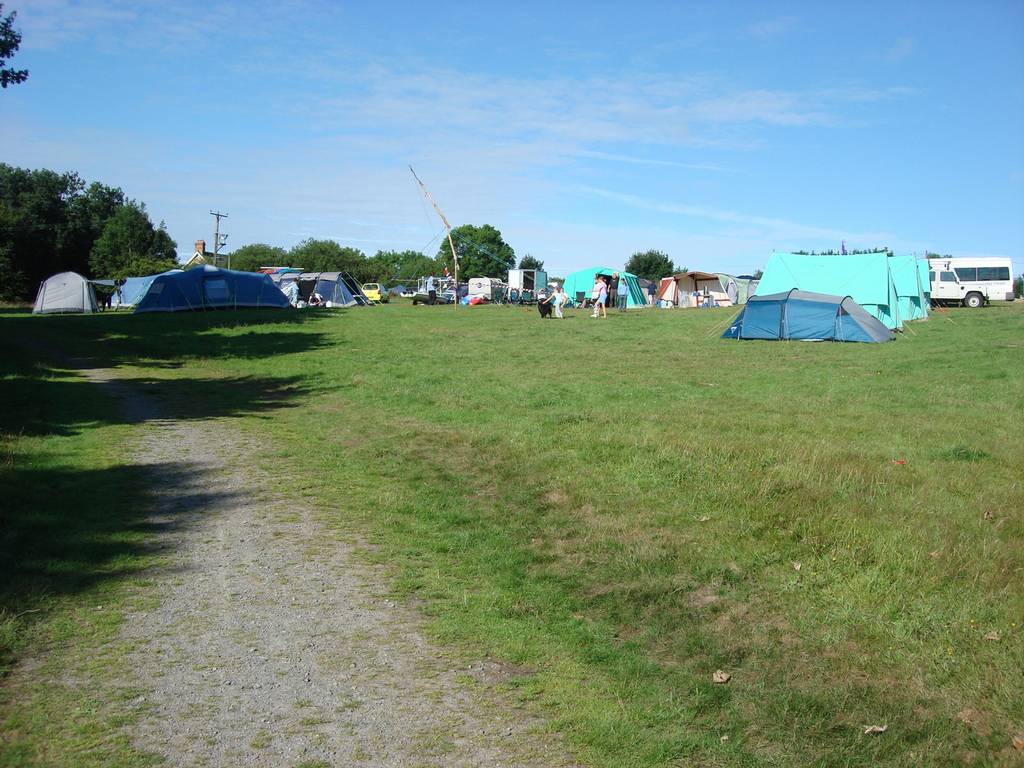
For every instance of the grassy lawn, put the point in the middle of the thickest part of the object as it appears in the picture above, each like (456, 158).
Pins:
(618, 507)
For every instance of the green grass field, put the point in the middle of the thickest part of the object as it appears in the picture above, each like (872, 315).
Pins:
(619, 507)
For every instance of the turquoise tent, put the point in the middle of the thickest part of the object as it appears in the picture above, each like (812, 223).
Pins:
(866, 277)
(208, 287)
(912, 299)
(582, 282)
(925, 281)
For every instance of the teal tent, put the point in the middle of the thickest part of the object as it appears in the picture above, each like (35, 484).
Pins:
(925, 281)
(866, 277)
(582, 283)
(910, 293)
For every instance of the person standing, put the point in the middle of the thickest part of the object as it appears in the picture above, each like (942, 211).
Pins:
(431, 290)
(600, 308)
(651, 290)
(623, 293)
(558, 301)
(613, 288)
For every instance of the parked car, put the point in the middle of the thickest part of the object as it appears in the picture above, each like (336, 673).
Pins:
(376, 292)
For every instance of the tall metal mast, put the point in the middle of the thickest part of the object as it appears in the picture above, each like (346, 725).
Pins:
(448, 228)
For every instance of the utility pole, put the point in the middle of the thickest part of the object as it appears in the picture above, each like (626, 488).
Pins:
(218, 240)
(448, 228)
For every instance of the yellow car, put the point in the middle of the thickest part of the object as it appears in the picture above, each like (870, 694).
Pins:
(376, 292)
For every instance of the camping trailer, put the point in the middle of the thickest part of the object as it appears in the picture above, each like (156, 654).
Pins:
(490, 288)
(525, 284)
(970, 281)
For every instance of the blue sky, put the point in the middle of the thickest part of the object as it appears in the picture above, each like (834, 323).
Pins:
(716, 132)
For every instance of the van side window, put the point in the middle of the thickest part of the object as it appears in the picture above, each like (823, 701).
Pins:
(947, 277)
(993, 273)
(931, 277)
(967, 274)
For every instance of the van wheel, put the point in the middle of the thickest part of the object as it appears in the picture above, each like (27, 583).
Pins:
(974, 300)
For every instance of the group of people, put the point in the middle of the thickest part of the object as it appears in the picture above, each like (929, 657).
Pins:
(609, 290)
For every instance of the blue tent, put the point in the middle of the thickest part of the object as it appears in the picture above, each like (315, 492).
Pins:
(133, 289)
(208, 287)
(335, 289)
(799, 315)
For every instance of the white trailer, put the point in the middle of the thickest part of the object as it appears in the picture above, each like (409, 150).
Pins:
(526, 284)
(970, 281)
(490, 288)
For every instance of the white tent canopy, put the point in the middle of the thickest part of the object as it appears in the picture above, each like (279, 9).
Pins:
(65, 293)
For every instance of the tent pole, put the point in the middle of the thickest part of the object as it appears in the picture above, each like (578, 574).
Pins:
(448, 228)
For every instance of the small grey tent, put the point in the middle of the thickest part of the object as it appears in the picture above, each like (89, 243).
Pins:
(66, 293)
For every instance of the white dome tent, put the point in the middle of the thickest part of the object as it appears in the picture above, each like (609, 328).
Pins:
(65, 293)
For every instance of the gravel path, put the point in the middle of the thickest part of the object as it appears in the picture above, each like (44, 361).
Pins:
(273, 646)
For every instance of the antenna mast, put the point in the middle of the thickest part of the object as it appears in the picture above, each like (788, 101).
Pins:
(448, 228)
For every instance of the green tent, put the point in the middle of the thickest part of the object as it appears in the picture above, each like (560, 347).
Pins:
(866, 277)
(582, 283)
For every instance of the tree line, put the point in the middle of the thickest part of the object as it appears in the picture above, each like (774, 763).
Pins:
(481, 249)
(56, 222)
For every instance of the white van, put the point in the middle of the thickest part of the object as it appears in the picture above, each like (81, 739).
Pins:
(972, 282)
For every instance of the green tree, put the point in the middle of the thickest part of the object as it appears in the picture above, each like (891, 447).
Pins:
(131, 245)
(15, 285)
(1018, 287)
(10, 41)
(391, 267)
(87, 214)
(529, 262)
(651, 265)
(249, 258)
(328, 256)
(34, 221)
(482, 252)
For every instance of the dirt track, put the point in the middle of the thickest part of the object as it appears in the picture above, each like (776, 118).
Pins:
(273, 646)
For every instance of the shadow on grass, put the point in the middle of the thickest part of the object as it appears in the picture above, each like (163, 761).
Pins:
(41, 359)
(63, 404)
(112, 340)
(67, 530)
(74, 517)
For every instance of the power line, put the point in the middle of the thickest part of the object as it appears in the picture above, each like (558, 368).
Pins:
(217, 241)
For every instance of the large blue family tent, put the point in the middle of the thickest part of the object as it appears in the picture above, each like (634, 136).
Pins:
(208, 287)
(866, 277)
(132, 289)
(802, 316)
